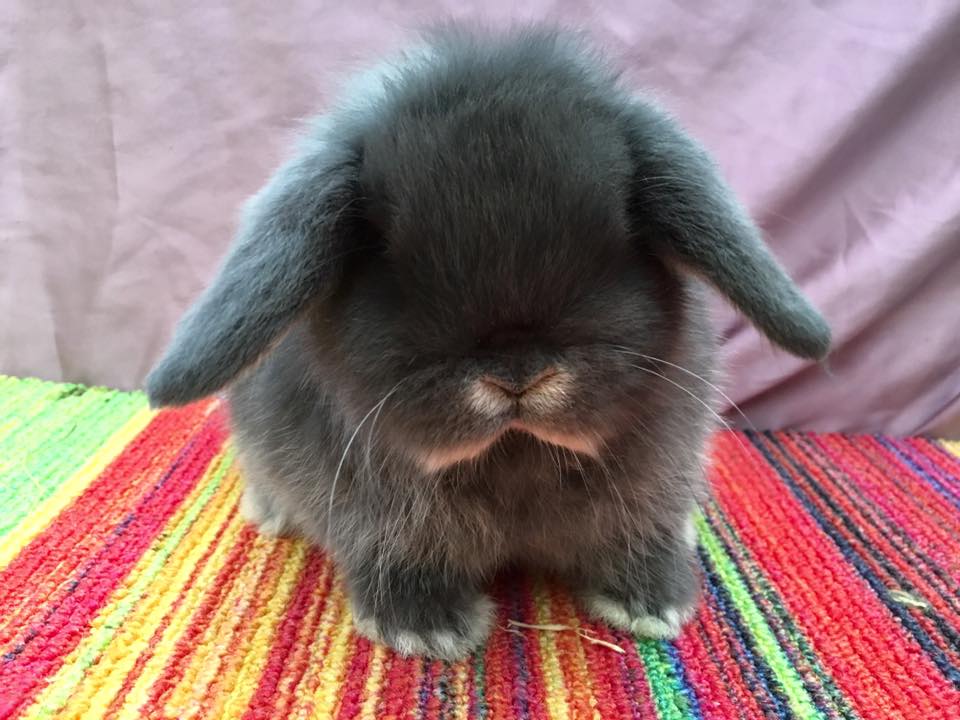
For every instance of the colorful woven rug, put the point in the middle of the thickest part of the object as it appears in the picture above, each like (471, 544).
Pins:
(131, 588)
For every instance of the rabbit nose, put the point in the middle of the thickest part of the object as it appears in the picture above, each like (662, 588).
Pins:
(518, 388)
(543, 392)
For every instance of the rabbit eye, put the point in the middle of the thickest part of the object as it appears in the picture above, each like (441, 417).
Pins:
(505, 336)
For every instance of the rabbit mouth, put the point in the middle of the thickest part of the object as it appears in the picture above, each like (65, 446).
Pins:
(439, 459)
(580, 443)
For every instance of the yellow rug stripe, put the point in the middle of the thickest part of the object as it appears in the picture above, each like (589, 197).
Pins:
(206, 656)
(461, 686)
(268, 618)
(138, 623)
(333, 617)
(300, 652)
(374, 681)
(221, 675)
(550, 659)
(328, 690)
(155, 666)
(565, 613)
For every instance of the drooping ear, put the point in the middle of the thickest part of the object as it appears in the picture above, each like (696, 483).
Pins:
(285, 254)
(678, 200)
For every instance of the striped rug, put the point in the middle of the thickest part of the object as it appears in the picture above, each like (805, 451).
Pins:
(131, 588)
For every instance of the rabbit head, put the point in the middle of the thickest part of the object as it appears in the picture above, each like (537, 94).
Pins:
(489, 247)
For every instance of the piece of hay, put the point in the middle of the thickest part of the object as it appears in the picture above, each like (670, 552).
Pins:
(905, 598)
(584, 633)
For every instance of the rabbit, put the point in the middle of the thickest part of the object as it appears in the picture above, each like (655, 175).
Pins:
(464, 328)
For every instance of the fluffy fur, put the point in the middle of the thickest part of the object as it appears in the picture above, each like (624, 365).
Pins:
(464, 329)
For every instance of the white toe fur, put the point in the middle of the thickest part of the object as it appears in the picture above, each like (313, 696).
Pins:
(653, 627)
(665, 626)
(267, 521)
(249, 509)
(690, 531)
(609, 610)
(480, 621)
(447, 644)
(367, 627)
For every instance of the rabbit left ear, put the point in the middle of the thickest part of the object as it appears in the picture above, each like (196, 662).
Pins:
(288, 252)
(678, 201)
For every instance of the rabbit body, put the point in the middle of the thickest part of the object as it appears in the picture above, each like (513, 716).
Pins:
(464, 329)
(417, 546)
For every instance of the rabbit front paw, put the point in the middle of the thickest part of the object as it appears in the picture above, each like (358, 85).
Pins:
(445, 633)
(419, 612)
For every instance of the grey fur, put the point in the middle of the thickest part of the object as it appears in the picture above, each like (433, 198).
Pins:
(484, 211)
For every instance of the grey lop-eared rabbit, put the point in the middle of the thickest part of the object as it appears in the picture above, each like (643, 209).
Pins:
(464, 328)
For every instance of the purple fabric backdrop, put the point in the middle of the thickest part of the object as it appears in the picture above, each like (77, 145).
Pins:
(131, 131)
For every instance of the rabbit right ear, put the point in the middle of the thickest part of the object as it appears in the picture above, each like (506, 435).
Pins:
(680, 205)
(286, 253)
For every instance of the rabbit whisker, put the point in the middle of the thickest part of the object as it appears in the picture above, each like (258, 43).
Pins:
(346, 450)
(699, 377)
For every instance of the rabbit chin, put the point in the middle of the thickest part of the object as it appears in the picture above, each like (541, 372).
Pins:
(438, 459)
